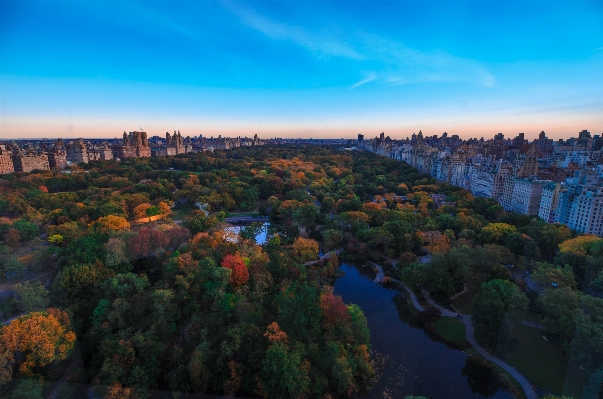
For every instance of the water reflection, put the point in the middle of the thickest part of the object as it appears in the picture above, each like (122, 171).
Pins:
(416, 363)
(259, 231)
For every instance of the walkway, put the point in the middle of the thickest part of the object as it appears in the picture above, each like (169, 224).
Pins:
(75, 360)
(324, 257)
(453, 297)
(523, 381)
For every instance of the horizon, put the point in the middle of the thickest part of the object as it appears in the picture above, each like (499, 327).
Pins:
(301, 70)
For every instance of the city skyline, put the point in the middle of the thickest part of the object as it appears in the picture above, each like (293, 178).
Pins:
(317, 70)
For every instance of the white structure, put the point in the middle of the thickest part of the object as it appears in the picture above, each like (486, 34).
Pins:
(549, 202)
(526, 196)
(586, 212)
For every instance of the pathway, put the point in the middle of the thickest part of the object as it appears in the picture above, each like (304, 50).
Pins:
(523, 381)
(75, 360)
(324, 257)
(459, 293)
(532, 324)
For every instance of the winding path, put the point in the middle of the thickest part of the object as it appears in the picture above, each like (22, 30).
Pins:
(523, 381)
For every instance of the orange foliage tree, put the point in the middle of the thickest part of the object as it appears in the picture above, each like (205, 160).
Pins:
(240, 274)
(141, 211)
(275, 334)
(40, 337)
(110, 223)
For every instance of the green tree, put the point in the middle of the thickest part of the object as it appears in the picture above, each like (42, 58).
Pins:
(31, 297)
(11, 269)
(284, 373)
(495, 307)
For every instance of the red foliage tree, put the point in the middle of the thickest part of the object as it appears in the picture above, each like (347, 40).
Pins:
(240, 274)
(177, 236)
(333, 309)
(147, 241)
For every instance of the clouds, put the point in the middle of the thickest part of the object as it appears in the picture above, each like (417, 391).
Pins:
(388, 61)
(320, 44)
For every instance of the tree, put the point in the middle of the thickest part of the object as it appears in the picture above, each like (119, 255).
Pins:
(177, 236)
(140, 211)
(11, 268)
(284, 373)
(147, 241)
(581, 244)
(27, 389)
(437, 243)
(153, 210)
(31, 297)
(496, 233)
(327, 205)
(559, 312)
(107, 224)
(305, 249)
(55, 239)
(240, 274)
(115, 257)
(42, 338)
(12, 237)
(494, 307)
(333, 309)
(28, 230)
(546, 274)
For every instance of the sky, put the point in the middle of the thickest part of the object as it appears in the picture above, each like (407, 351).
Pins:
(309, 69)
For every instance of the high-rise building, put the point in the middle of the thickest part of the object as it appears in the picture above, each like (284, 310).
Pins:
(77, 151)
(6, 162)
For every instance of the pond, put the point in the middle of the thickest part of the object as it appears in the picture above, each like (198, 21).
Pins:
(416, 363)
(261, 236)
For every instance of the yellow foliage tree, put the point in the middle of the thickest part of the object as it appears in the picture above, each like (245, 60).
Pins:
(580, 245)
(41, 337)
(305, 249)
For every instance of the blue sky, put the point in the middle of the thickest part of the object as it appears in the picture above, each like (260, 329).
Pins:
(301, 68)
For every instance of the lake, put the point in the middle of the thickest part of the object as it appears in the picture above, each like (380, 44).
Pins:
(417, 363)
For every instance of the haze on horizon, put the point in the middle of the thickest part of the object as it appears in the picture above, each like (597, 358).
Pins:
(300, 69)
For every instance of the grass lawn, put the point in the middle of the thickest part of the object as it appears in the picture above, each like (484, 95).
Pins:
(544, 364)
(463, 302)
(8, 308)
(451, 329)
(242, 214)
(182, 212)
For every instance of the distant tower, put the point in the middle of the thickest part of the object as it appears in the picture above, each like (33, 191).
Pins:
(530, 164)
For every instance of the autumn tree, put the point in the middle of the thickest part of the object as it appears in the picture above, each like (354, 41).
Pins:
(140, 211)
(107, 224)
(147, 241)
(496, 233)
(581, 244)
(12, 237)
(305, 249)
(333, 309)
(236, 264)
(41, 338)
